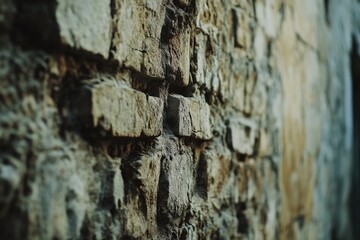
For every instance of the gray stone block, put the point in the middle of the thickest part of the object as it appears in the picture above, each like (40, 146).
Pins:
(179, 176)
(137, 30)
(179, 51)
(176, 182)
(85, 25)
(242, 134)
(189, 117)
(122, 111)
(242, 24)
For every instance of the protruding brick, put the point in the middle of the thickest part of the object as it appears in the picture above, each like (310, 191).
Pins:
(85, 25)
(179, 47)
(242, 134)
(81, 25)
(189, 117)
(122, 111)
(137, 32)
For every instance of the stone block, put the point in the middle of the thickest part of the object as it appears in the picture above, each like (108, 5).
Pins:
(179, 47)
(85, 25)
(243, 85)
(177, 184)
(207, 66)
(265, 144)
(137, 36)
(180, 182)
(214, 173)
(189, 117)
(120, 110)
(199, 62)
(242, 26)
(242, 134)
(81, 25)
(143, 175)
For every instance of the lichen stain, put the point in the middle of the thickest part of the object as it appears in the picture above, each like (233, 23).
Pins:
(297, 168)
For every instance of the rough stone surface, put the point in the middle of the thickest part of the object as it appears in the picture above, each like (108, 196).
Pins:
(179, 57)
(179, 119)
(85, 25)
(189, 117)
(242, 135)
(177, 183)
(122, 111)
(136, 42)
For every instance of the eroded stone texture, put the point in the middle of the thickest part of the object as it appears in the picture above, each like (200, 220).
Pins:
(146, 171)
(136, 42)
(177, 30)
(120, 110)
(85, 25)
(242, 134)
(201, 119)
(242, 25)
(177, 172)
(190, 117)
(179, 55)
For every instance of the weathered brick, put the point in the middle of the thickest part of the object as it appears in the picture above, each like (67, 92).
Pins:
(180, 57)
(177, 183)
(206, 66)
(242, 134)
(180, 182)
(121, 110)
(137, 31)
(244, 80)
(142, 205)
(82, 25)
(242, 24)
(85, 25)
(189, 117)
